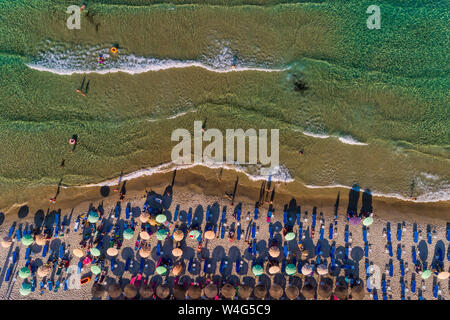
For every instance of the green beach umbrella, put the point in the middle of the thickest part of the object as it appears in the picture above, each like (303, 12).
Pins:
(161, 270)
(161, 218)
(95, 269)
(290, 236)
(93, 217)
(426, 274)
(367, 221)
(24, 272)
(257, 270)
(25, 289)
(128, 234)
(194, 234)
(27, 239)
(161, 234)
(291, 269)
(95, 252)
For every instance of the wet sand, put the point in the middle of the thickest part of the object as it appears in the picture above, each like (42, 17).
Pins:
(201, 187)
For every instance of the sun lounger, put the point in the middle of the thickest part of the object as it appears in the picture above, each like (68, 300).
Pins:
(313, 219)
(284, 217)
(127, 264)
(80, 265)
(399, 233)
(205, 266)
(285, 249)
(375, 295)
(447, 233)
(61, 251)
(390, 249)
(66, 285)
(364, 234)
(385, 297)
(429, 237)
(18, 235)
(254, 248)
(383, 286)
(222, 265)
(33, 285)
(399, 252)
(14, 259)
(256, 213)
(391, 270)
(238, 266)
(11, 231)
(322, 231)
(117, 211)
(8, 273)
(269, 215)
(346, 236)
(346, 251)
(253, 230)
(27, 253)
(389, 234)
(332, 250)
(50, 285)
(402, 269)
(56, 286)
(366, 250)
(189, 218)
(317, 249)
(127, 212)
(413, 286)
(283, 266)
(222, 232)
(298, 218)
(41, 285)
(330, 232)
(238, 233)
(270, 231)
(238, 215)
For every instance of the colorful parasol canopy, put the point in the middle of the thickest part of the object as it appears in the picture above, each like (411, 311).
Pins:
(291, 269)
(93, 217)
(178, 235)
(289, 236)
(161, 234)
(24, 272)
(95, 269)
(95, 252)
(144, 235)
(210, 235)
(128, 233)
(27, 240)
(25, 289)
(257, 270)
(78, 252)
(112, 252)
(367, 221)
(161, 218)
(161, 270)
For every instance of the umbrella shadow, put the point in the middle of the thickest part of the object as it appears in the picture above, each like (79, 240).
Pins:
(280, 280)
(423, 250)
(366, 208)
(127, 252)
(218, 253)
(167, 197)
(234, 253)
(249, 281)
(197, 219)
(357, 254)
(2, 218)
(104, 191)
(353, 198)
(23, 212)
(135, 212)
(214, 213)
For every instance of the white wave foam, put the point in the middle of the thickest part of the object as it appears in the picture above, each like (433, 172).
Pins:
(60, 59)
(351, 140)
(315, 135)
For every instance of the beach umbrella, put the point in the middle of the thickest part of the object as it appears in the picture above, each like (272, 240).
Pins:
(308, 291)
(244, 292)
(161, 218)
(98, 290)
(426, 274)
(177, 252)
(25, 289)
(443, 275)
(27, 239)
(260, 291)
(289, 236)
(322, 269)
(194, 292)
(78, 252)
(178, 235)
(162, 291)
(307, 269)
(179, 292)
(228, 291)
(145, 252)
(93, 217)
(177, 269)
(144, 235)
(130, 291)
(210, 234)
(368, 221)
(95, 252)
(128, 233)
(274, 269)
(24, 272)
(257, 270)
(276, 291)
(355, 221)
(211, 291)
(274, 251)
(193, 234)
(161, 270)
(292, 292)
(325, 288)
(87, 260)
(291, 269)
(112, 252)
(146, 291)
(95, 269)
(161, 234)
(6, 242)
(43, 271)
(358, 291)
(144, 217)
(115, 290)
(341, 292)
(40, 239)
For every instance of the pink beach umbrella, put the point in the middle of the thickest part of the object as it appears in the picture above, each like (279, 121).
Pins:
(87, 260)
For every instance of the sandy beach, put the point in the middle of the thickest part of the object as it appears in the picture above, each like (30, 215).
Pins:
(196, 189)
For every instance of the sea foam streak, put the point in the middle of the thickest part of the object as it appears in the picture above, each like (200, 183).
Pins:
(345, 139)
(63, 60)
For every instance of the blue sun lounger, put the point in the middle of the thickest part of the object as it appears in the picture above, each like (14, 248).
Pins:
(207, 214)
(364, 234)
(330, 232)
(300, 233)
(175, 215)
(346, 236)
(253, 230)
(238, 215)
(402, 290)
(41, 285)
(191, 261)
(27, 253)
(366, 250)
(413, 286)
(8, 273)
(435, 290)
(33, 285)
(205, 266)
(284, 217)
(270, 231)
(224, 214)
(80, 265)
(333, 250)
(215, 229)
(285, 249)
(414, 255)
(113, 262)
(314, 219)
(238, 266)
(158, 249)
(416, 236)
(11, 231)
(375, 295)
(50, 285)
(254, 248)
(322, 231)
(298, 218)
(238, 233)
(283, 266)
(127, 212)
(189, 217)
(256, 213)
(77, 224)
(399, 233)
(429, 237)
(448, 234)
(222, 232)
(389, 234)
(18, 235)
(117, 211)
(399, 252)
(222, 265)
(61, 251)
(390, 249)
(402, 269)
(318, 249)
(56, 286)
(383, 286)
(448, 253)
(66, 285)
(385, 296)
(269, 215)
(346, 253)
(391, 270)
(14, 259)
